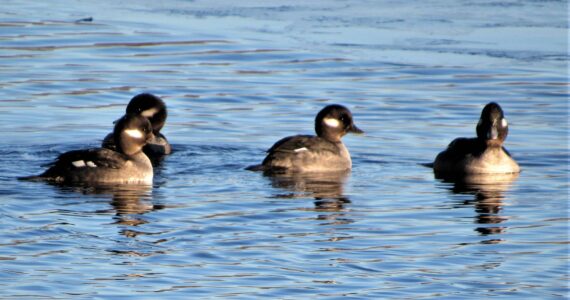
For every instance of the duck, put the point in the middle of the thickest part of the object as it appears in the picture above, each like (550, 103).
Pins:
(154, 109)
(484, 154)
(127, 164)
(324, 152)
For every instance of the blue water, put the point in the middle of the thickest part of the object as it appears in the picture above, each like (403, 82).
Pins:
(237, 77)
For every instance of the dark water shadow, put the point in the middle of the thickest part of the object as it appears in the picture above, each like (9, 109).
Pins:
(488, 192)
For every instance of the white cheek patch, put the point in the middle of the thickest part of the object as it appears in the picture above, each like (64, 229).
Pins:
(301, 149)
(504, 123)
(332, 122)
(149, 112)
(91, 164)
(134, 133)
(78, 164)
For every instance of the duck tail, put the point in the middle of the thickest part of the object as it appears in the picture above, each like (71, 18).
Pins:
(31, 178)
(256, 168)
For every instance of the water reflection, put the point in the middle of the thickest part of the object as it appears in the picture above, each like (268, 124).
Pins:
(129, 201)
(488, 191)
(326, 188)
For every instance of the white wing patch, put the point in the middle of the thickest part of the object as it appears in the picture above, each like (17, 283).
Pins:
(504, 122)
(135, 133)
(78, 164)
(301, 149)
(149, 112)
(83, 164)
(332, 122)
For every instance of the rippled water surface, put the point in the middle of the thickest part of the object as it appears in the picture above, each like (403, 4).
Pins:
(238, 76)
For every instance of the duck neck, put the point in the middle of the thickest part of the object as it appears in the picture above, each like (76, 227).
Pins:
(333, 138)
(492, 144)
(128, 149)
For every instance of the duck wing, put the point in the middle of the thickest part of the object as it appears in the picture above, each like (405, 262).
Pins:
(301, 143)
(96, 157)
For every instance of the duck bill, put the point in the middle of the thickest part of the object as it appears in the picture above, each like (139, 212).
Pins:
(117, 120)
(354, 129)
(493, 132)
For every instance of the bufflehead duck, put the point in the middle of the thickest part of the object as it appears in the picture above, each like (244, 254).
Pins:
(154, 109)
(308, 153)
(128, 164)
(484, 154)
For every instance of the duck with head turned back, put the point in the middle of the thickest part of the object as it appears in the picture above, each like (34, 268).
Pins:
(484, 154)
(307, 153)
(154, 109)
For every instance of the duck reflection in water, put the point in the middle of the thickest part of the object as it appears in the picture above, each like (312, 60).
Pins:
(327, 188)
(488, 191)
(129, 201)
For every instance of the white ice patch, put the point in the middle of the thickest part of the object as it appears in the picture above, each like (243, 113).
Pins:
(504, 123)
(332, 122)
(301, 149)
(78, 164)
(149, 112)
(91, 164)
(135, 133)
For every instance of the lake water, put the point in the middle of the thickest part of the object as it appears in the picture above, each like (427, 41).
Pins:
(238, 77)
